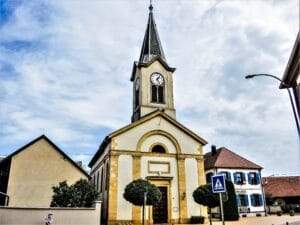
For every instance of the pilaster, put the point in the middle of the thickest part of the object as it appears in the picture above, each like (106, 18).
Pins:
(113, 189)
(201, 181)
(136, 174)
(182, 190)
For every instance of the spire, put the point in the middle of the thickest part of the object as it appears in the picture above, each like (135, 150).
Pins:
(151, 44)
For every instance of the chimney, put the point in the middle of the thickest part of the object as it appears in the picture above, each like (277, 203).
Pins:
(213, 150)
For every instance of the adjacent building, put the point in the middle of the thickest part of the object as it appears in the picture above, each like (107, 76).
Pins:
(291, 77)
(155, 146)
(28, 174)
(282, 190)
(245, 175)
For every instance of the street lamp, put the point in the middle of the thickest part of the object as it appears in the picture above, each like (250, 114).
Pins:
(250, 76)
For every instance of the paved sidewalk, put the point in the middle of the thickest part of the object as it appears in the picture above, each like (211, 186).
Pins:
(269, 220)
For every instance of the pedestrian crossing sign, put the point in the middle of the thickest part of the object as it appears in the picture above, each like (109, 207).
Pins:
(218, 184)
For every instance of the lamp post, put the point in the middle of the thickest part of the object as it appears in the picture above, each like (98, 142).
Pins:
(289, 91)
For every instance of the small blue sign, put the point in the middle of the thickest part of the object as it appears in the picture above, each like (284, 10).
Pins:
(218, 184)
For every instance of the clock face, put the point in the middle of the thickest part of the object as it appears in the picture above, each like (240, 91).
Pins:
(157, 79)
(137, 84)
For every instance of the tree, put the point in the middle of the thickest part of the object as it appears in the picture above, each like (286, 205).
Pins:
(140, 190)
(231, 211)
(134, 192)
(80, 194)
(203, 195)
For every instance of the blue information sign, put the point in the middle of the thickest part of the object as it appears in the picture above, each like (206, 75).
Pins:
(218, 184)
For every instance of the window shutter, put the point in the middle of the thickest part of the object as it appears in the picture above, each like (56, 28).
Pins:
(260, 200)
(246, 200)
(228, 174)
(235, 178)
(249, 178)
(257, 178)
(252, 200)
(238, 200)
(243, 177)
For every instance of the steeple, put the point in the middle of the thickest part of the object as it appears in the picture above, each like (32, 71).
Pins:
(152, 77)
(151, 44)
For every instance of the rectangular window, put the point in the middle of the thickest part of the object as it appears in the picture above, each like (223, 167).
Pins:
(253, 178)
(243, 200)
(226, 174)
(256, 200)
(239, 178)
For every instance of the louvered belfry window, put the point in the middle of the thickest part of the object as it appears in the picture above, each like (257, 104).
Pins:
(157, 93)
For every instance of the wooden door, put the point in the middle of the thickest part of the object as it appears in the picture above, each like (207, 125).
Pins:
(160, 210)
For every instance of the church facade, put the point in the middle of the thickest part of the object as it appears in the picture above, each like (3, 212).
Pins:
(154, 146)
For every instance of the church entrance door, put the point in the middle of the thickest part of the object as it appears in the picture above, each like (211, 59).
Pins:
(160, 210)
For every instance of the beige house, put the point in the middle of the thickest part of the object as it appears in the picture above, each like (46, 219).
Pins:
(155, 146)
(28, 175)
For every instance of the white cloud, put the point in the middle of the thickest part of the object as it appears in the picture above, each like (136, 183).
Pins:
(73, 82)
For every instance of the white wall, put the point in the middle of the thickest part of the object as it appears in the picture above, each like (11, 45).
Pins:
(124, 209)
(191, 170)
(61, 216)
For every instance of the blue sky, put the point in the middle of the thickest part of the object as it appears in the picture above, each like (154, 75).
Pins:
(65, 69)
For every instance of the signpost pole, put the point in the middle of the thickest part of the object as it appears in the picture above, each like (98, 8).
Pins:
(221, 209)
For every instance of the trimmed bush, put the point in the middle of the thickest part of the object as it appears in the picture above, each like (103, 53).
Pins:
(134, 192)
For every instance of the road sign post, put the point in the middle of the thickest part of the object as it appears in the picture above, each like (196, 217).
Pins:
(219, 186)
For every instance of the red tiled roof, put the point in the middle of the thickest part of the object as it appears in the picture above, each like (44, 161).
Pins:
(282, 186)
(224, 158)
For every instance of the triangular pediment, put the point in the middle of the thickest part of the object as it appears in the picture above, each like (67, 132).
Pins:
(164, 116)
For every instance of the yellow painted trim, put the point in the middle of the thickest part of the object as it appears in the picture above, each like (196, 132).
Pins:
(136, 174)
(113, 188)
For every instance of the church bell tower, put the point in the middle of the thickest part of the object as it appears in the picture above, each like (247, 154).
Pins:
(152, 77)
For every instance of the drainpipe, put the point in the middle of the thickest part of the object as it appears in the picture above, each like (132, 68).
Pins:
(6, 198)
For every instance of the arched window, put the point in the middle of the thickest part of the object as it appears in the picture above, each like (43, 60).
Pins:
(157, 88)
(158, 149)
(137, 93)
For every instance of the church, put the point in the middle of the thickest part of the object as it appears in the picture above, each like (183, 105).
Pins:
(154, 146)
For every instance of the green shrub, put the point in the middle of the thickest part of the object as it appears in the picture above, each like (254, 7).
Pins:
(80, 194)
(197, 220)
(134, 192)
